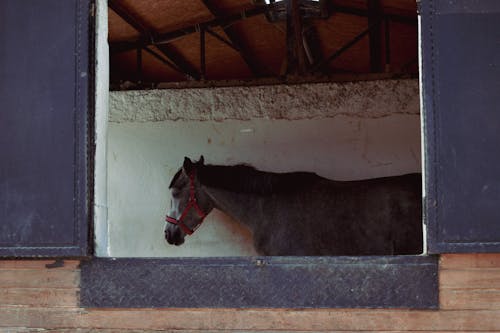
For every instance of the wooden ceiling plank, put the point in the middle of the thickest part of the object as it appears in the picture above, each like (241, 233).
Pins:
(221, 38)
(235, 41)
(147, 38)
(167, 37)
(130, 19)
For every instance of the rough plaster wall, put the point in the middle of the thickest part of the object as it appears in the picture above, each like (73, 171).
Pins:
(143, 156)
(370, 99)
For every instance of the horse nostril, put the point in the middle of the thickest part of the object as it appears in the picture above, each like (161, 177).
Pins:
(168, 236)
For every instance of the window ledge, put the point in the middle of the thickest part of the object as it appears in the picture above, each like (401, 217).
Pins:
(261, 282)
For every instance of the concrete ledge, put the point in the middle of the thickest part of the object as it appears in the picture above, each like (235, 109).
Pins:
(371, 99)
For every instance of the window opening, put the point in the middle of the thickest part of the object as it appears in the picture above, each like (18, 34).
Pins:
(285, 86)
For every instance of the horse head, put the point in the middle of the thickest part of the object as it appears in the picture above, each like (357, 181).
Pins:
(189, 202)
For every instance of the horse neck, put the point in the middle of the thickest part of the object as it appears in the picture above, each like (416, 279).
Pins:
(242, 207)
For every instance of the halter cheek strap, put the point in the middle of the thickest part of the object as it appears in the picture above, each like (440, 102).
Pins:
(192, 204)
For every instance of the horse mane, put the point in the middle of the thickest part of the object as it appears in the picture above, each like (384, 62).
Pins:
(243, 178)
(174, 179)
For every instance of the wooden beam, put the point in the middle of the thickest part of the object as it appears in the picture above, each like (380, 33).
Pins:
(410, 20)
(139, 65)
(311, 45)
(203, 67)
(339, 76)
(375, 35)
(387, 31)
(236, 41)
(295, 50)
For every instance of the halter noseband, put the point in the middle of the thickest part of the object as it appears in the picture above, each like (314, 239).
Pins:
(192, 204)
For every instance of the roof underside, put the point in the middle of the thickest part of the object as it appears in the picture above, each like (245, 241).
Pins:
(201, 42)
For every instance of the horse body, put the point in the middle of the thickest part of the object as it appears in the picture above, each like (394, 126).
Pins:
(304, 214)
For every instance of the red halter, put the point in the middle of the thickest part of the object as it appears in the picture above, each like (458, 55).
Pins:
(192, 203)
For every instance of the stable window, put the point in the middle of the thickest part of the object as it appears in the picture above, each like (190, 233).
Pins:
(357, 110)
(47, 140)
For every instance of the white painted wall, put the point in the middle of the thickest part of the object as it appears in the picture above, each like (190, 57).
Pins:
(101, 128)
(369, 132)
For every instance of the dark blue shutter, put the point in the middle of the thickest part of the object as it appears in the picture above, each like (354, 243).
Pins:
(461, 90)
(44, 78)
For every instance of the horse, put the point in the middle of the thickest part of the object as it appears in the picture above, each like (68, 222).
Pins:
(300, 213)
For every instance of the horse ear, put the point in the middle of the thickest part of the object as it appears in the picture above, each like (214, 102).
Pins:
(201, 161)
(188, 165)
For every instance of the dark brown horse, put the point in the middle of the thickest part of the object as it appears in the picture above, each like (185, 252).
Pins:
(301, 213)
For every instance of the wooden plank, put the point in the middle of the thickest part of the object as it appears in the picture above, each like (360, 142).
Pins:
(252, 320)
(484, 260)
(450, 299)
(38, 264)
(48, 278)
(39, 297)
(29, 317)
(100, 330)
(317, 320)
(487, 278)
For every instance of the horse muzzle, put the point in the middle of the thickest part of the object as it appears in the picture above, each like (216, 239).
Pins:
(174, 236)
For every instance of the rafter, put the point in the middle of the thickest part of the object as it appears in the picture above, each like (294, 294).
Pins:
(300, 45)
(228, 20)
(295, 55)
(203, 64)
(312, 45)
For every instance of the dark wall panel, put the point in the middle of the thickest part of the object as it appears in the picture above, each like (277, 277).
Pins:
(461, 72)
(43, 122)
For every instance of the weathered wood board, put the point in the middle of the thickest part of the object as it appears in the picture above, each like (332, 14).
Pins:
(34, 297)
